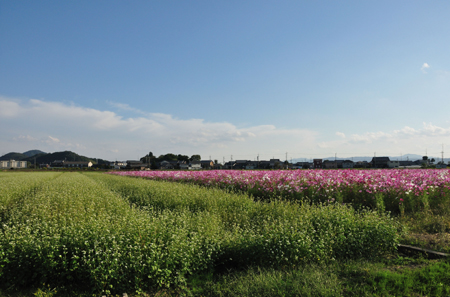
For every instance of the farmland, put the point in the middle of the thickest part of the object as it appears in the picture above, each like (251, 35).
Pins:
(393, 190)
(100, 234)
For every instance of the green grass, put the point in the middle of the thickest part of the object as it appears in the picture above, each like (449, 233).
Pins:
(88, 234)
(396, 277)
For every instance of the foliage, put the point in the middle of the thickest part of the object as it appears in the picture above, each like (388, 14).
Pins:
(114, 234)
(398, 277)
(150, 158)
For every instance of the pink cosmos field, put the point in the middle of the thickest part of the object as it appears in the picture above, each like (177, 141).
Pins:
(394, 190)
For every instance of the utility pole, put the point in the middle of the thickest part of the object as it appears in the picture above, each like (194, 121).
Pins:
(442, 154)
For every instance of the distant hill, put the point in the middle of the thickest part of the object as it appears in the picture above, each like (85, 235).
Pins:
(21, 156)
(66, 155)
(33, 153)
(43, 158)
(13, 156)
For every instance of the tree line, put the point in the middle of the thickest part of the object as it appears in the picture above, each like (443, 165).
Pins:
(153, 160)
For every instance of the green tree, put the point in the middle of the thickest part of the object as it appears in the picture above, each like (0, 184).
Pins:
(169, 157)
(183, 158)
(149, 159)
(195, 158)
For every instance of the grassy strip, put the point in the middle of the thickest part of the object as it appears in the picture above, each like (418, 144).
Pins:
(398, 277)
(18, 185)
(14, 188)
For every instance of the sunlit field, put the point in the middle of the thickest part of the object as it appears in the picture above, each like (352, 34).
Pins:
(212, 233)
(401, 190)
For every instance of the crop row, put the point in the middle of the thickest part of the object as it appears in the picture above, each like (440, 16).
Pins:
(393, 190)
(15, 187)
(116, 234)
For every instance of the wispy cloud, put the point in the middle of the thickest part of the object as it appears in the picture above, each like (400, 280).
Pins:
(53, 139)
(124, 106)
(25, 138)
(428, 130)
(424, 67)
(340, 134)
(112, 135)
(54, 126)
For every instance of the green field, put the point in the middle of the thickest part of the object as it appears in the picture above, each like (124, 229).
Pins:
(94, 234)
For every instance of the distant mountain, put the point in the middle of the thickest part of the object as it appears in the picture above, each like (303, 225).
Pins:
(33, 153)
(21, 156)
(62, 156)
(13, 156)
(43, 158)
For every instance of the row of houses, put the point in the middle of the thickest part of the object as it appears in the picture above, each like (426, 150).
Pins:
(67, 164)
(203, 164)
(12, 164)
(376, 162)
(166, 165)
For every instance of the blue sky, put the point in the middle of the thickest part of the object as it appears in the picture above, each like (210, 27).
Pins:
(116, 79)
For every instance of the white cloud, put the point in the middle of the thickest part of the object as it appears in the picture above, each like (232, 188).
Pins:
(53, 139)
(413, 140)
(53, 126)
(424, 67)
(9, 108)
(370, 137)
(340, 134)
(428, 130)
(106, 134)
